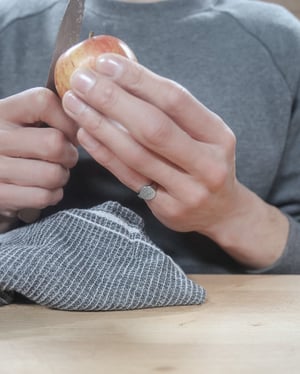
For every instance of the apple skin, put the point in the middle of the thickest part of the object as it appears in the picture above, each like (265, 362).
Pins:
(84, 54)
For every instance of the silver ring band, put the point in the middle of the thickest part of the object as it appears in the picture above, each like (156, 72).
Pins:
(147, 192)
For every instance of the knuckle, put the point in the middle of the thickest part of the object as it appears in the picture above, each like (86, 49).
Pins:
(108, 96)
(158, 133)
(228, 136)
(196, 199)
(42, 97)
(230, 142)
(55, 143)
(94, 123)
(57, 176)
(135, 72)
(175, 96)
(105, 157)
(138, 157)
(57, 195)
(74, 159)
(218, 178)
(45, 198)
(173, 212)
(6, 139)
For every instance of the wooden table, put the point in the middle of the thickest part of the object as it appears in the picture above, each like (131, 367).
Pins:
(249, 324)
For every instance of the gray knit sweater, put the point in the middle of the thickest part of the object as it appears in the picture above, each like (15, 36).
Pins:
(240, 58)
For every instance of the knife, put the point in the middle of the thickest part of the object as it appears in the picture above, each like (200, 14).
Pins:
(68, 35)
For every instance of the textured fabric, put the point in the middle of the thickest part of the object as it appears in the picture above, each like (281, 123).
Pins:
(93, 259)
(196, 43)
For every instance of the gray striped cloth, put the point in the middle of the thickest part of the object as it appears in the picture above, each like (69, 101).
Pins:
(91, 259)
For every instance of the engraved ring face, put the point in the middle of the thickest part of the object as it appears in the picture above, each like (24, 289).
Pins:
(147, 192)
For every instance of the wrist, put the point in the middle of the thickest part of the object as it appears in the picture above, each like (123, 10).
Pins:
(253, 232)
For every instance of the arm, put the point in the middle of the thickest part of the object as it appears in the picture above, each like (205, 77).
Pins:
(285, 193)
(176, 142)
(34, 161)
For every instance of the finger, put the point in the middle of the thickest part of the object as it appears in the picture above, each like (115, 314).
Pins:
(168, 207)
(124, 146)
(162, 202)
(5, 125)
(108, 159)
(121, 146)
(14, 198)
(35, 105)
(32, 173)
(177, 194)
(118, 152)
(38, 143)
(195, 118)
(161, 136)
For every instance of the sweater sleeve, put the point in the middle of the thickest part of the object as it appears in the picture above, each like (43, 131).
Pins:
(280, 34)
(285, 195)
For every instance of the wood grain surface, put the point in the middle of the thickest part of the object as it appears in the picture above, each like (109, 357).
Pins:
(249, 324)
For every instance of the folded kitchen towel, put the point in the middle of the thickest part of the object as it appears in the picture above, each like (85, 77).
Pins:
(91, 259)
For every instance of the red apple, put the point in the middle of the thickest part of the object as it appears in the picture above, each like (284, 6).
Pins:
(85, 54)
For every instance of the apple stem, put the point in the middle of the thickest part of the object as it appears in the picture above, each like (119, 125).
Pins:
(91, 34)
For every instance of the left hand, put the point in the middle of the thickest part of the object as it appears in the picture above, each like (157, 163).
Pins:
(171, 140)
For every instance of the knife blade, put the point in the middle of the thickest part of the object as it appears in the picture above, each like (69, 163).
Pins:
(68, 35)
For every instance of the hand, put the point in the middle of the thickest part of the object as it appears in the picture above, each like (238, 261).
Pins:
(34, 161)
(170, 138)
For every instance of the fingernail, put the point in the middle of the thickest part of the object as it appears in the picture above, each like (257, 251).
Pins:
(73, 104)
(109, 66)
(83, 80)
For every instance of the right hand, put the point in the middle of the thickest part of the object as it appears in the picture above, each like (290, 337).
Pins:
(34, 161)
